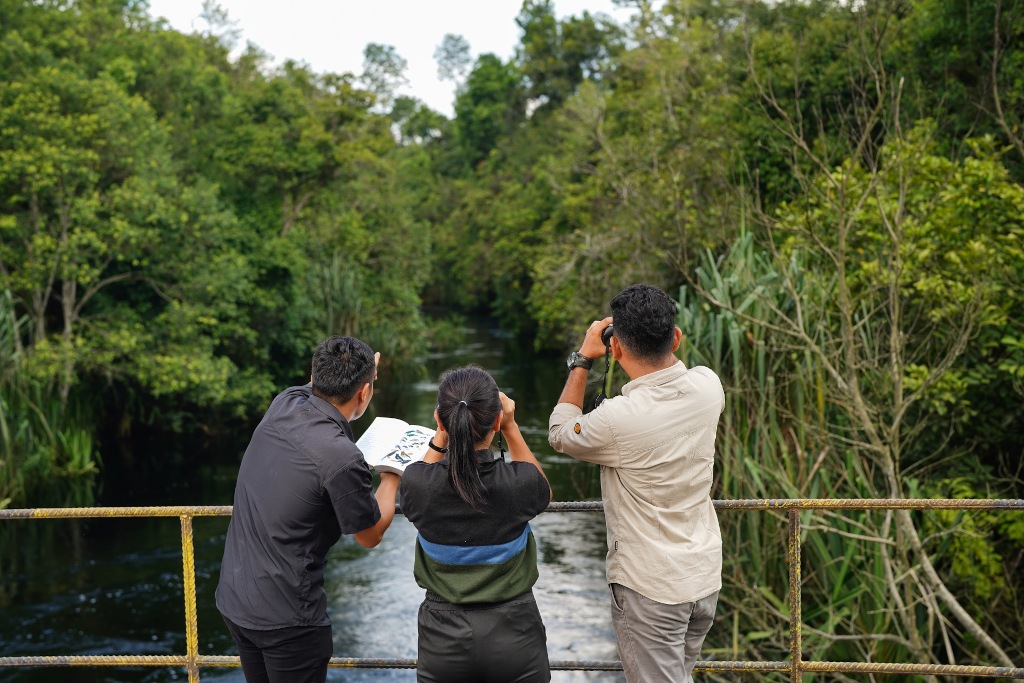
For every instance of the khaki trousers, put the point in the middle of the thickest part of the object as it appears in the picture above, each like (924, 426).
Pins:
(659, 643)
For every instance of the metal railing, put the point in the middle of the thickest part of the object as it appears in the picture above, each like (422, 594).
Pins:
(192, 661)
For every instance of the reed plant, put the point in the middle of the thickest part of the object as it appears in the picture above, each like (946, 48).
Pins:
(784, 435)
(47, 453)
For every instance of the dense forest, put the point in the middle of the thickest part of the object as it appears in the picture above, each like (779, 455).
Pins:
(835, 191)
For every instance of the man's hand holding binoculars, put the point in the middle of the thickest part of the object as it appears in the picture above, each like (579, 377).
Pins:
(594, 343)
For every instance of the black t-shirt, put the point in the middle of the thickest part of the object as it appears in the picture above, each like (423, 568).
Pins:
(302, 483)
(472, 556)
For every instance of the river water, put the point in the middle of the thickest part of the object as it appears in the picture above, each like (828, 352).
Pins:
(114, 587)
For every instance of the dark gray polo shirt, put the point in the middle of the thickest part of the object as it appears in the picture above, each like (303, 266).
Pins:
(302, 483)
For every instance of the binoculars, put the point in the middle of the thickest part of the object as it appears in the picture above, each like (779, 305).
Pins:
(606, 335)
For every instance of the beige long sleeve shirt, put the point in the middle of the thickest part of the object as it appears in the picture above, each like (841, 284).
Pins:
(656, 445)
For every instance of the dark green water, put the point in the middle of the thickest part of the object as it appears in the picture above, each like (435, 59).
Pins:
(114, 587)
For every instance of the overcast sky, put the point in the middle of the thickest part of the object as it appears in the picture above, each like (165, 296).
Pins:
(329, 35)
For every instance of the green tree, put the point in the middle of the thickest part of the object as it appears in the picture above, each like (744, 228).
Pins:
(646, 167)
(968, 60)
(85, 194)
(555, 57)
(288, 137)
(383, 72)
(453, 58)
(490, 106)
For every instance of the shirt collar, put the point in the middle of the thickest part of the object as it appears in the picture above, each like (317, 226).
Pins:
(487, 455)
(656, 378)
(332, 413)
(483, 457)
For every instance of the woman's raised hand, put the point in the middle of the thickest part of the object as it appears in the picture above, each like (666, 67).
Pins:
(508, 411)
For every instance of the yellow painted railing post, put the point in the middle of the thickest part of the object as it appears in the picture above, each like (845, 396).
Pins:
(188, 562)
(795, 611)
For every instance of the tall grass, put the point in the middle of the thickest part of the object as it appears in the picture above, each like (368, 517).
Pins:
(781, 437)
(47, 452)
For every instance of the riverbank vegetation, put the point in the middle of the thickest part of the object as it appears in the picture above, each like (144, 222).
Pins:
(834, 189)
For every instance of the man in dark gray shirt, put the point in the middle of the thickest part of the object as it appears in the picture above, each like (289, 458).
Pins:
(301, 485)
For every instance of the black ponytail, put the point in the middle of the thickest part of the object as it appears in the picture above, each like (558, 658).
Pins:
(467, 405)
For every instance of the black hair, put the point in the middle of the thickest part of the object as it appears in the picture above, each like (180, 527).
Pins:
(645, 321)
(340, 366)
(467, 405)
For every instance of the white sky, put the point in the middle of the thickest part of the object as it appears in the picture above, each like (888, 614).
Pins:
(329, 35)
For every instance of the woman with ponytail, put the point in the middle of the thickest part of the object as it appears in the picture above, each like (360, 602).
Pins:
(475, 553)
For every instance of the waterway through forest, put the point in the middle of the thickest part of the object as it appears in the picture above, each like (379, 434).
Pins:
(114, 586)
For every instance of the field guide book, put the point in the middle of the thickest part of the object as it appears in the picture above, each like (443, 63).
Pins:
(390, 444)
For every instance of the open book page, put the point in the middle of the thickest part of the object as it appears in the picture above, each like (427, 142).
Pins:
(389, 444)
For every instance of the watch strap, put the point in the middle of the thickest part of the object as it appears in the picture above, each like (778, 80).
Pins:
(578, 360)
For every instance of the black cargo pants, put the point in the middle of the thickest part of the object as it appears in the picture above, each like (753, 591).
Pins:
(502, 642)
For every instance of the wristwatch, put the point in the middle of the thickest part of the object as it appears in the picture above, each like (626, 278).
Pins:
(578, 360)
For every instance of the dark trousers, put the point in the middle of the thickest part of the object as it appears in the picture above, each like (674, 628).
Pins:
(298, 654)
(501, 642)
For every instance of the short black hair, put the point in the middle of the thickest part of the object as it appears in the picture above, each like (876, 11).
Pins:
(340, 366)
(644, 320)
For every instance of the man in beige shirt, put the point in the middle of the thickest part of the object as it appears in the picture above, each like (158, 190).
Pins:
(655, 444)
